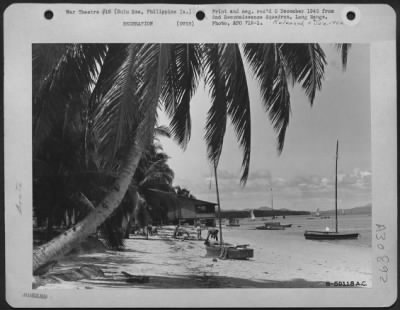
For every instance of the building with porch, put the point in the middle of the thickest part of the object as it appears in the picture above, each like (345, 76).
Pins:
(194, 211)
(181, 209)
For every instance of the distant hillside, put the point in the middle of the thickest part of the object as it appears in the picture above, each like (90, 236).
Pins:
(260, 212)
(268, 212)
(367, 209)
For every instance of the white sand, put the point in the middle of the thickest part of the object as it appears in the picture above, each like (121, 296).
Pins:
(279, 261)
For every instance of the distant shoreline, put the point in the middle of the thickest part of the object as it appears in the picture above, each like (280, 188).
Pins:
(266, 211)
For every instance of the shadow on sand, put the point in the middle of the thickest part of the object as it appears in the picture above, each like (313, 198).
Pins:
(198, 282)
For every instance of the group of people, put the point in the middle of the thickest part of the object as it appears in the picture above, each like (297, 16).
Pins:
(179, 231)
(146, 230)
(212, 232)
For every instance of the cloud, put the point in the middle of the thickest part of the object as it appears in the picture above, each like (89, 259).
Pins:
(261, 174)
(356, 179)
(353, 186)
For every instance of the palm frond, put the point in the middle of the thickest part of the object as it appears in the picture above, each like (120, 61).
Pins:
(116, 115)
(238, 101)
(158, 176)
(180, 86)
(268, 65)
(279, 104)
(115, 57)
(72, 76)
(154, 61)
(262, 60)
(306, 65)
(343, 49)
(162, 131)
(217, 114)
(44, 59)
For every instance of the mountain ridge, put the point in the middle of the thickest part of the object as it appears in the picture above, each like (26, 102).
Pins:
(365, 209)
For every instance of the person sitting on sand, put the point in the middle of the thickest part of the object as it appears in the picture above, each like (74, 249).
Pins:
(182, 232)
(176, 231)
(179, 231)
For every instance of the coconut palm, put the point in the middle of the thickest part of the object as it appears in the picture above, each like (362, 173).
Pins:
(141, 203)
(127, 83)
(183, 192)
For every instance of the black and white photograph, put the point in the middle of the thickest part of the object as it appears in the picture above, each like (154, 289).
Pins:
(200, 155)
(201, 165)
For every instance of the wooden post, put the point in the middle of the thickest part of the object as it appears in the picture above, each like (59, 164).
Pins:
(219, 205)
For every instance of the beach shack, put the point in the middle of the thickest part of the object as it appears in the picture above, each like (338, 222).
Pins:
(193, 211)
(181, 209)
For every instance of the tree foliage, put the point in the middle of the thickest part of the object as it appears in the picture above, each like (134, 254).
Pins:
(90, 99)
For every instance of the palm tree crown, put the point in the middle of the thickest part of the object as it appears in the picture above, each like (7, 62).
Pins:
(113, 84)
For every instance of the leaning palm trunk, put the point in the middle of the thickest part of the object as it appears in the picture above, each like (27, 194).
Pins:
(146, 112)
(128, 217)
(71, 238)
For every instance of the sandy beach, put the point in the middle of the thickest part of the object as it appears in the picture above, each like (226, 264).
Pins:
(280, 260)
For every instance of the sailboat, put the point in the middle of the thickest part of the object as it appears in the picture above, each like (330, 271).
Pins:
(222, 249)
(273, 225)
(272, 205)
(334, 235)
(252, 217)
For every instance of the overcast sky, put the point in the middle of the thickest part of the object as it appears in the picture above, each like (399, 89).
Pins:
(302, 177)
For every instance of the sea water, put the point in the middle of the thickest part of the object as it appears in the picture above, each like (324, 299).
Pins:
(361, 224)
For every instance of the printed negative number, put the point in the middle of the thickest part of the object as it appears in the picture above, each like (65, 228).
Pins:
(347, 283)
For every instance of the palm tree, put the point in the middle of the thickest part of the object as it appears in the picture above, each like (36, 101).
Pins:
(183, 192)
(127, 83)
(142, 203)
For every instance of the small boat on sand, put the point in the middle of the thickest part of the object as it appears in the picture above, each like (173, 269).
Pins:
(223, 249)
(229, 251)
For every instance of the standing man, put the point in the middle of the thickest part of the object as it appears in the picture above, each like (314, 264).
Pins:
(198, 229)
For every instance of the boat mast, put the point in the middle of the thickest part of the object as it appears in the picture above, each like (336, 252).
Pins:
(272, 203)
(336, 217)
(219, 208)
(272, 200)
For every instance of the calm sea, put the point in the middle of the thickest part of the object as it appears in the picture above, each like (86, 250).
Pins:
(361, 224)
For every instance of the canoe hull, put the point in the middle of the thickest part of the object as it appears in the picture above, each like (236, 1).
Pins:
(229, 251)
(327, 235)
(273, 227)
(272, 223)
